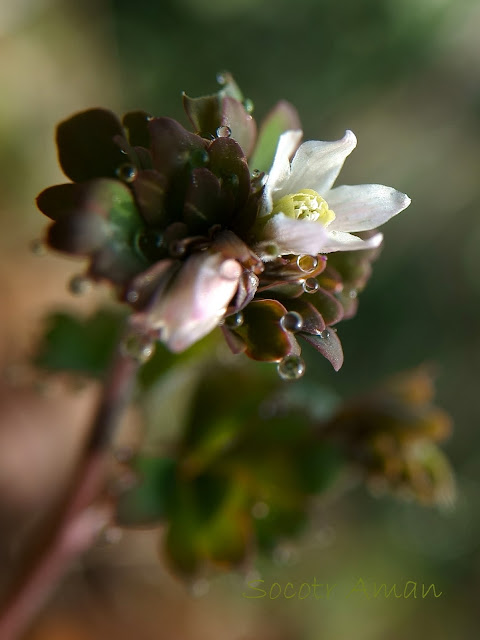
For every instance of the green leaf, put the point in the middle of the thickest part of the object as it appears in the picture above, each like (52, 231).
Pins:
(100, 220)
(148, 502)
(209, 524)
(318, 466)
(78, 345)
(283, 117)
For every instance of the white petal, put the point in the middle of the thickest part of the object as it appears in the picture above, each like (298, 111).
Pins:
(316, 165)
(196, 300)
(290, 235)
(364, 206)
(280, 170)
(341, 241)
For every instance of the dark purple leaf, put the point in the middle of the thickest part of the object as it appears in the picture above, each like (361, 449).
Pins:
(86, 146)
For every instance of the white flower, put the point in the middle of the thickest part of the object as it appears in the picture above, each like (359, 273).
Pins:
(304, 214)
(195, 301)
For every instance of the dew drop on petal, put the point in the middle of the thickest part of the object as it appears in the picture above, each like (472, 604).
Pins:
(224, 131)
(37, 248)
(234, 321)
(307, 264)
(291, 321)
(139, 347)
(127, 172)
(352, 293)
(79, 285)
(291, 368)
(311, 285)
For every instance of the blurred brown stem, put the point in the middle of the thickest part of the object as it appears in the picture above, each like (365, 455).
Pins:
(73, 524)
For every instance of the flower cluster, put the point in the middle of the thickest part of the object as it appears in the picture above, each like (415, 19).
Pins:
(221, 226)
(391, 435)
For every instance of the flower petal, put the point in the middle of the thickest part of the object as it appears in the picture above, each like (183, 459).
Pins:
(280, 170)
(341, 241)
(196, 301)
(316, 165)
(290, 235)
(364, 206)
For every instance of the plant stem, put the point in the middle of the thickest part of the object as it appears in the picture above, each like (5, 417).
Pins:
(74, 523)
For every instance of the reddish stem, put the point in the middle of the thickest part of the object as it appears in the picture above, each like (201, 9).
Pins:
(73, 525)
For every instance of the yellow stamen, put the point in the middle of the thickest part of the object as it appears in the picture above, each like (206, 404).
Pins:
(305, 205)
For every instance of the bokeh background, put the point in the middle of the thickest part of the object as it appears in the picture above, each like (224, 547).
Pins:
(404, 75)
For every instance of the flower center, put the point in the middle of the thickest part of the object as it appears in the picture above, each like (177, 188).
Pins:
(305, 205)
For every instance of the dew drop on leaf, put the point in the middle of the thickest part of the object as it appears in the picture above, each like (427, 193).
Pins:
(127, 172)
(291, 321)
(291, 368)
(311, 285)
(234, 321)
(307, 264)
(224, 132)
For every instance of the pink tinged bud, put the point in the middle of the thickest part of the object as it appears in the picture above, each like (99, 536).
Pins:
(196, 300)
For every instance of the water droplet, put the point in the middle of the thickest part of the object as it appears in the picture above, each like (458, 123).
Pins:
(224, 131)
(200, 587)
(232, 179)
(199, 158)
(177, 249)
(291, 321)
(324, 334)
(353, 293)
(37, 247)
(311, 285)
(307, 264)
(260, 510)
(222, 77)
(256, 173)
(138, 346)
(234, 321)
(127, 172)
(132, 296)
(249, 106)
(79, 285)
(291, 368)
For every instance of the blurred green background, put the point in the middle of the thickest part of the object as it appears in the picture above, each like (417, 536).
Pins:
(404, 75)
